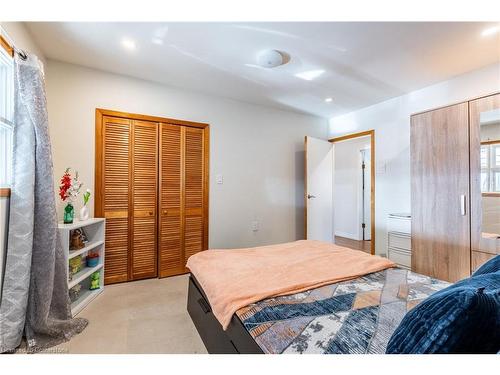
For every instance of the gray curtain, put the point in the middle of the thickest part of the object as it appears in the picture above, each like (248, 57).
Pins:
(35, 293)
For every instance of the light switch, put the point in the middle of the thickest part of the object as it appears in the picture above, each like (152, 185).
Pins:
(220, 179)
(381, 168)
(255, 225)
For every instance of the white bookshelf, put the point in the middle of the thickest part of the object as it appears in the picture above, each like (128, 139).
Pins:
(95, 231)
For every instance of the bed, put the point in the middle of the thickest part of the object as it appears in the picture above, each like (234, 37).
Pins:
(355, 315)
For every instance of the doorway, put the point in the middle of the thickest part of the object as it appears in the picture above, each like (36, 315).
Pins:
(353, 191)
(339, 194)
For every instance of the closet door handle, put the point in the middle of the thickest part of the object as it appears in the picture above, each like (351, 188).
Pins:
(462, 205)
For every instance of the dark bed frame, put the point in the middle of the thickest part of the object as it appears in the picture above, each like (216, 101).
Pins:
(234, 340)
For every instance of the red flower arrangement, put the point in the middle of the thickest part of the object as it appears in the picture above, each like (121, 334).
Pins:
(70, 186)
(65, 185)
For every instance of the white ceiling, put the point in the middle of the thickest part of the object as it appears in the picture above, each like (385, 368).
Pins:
(364, 63)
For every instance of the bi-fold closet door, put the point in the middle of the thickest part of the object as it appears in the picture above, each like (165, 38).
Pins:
(127, 152)
(152, 187)
(183, 199)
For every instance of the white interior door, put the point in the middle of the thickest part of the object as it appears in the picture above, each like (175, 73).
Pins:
(319, 189)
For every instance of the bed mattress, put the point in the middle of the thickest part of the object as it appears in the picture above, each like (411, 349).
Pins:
(356, 316)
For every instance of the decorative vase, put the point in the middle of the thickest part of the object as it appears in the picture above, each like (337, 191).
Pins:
(69, 213)
(84, 213)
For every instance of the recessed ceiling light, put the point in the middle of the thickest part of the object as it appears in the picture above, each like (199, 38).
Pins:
(490, 31)
(160, 35)
(309, 75)
(128, 44)
(157, 41)
(328, 100)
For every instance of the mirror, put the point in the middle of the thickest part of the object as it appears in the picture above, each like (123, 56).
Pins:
(490, 173)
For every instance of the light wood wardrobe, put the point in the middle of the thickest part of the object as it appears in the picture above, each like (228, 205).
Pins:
(448, 235)
(151, 184)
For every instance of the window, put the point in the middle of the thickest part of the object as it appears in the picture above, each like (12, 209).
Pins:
(6, 117)
(490, 168)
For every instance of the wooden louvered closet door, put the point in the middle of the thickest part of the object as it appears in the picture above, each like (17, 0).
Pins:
(115, 178)
(152, 187)
(183, 208)
(193, 192)
(144, 190)
(170, 249)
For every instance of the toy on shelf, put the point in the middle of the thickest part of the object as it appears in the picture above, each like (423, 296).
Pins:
(75, 265)
(95, 280)
(74, 293)
(78, 239)
(92, 259)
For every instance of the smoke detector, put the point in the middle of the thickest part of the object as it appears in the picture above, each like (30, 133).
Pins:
(272, 58)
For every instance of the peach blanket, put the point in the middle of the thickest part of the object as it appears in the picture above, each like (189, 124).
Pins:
(232, 279)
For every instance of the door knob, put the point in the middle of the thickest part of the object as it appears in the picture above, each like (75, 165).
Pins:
(309, 196)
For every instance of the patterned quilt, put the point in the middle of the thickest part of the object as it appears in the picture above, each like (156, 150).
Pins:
(356, 316)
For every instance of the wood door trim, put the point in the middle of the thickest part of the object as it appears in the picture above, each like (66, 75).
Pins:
(206, 187)
(4, 192)
(352, 135)
(183, 196)
(491, 194)
(99, 166)
(492, 142)
(305, 187)
(371, 134)
(140, 117)
(6, 46)
(455, 103)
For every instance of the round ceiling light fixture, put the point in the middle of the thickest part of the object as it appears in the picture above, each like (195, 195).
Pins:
(272, 58)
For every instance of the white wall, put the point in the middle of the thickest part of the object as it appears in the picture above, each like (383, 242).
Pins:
(258, 150)
(18, 34)
(391, 121)
(346, 187)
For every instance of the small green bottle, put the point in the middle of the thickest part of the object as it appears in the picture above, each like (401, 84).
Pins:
(69, 213)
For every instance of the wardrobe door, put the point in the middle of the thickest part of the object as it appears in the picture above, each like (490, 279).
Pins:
(194, 189)
(170, 247)
(113, 194)
(484, 116)
(440, 193)
(144, 192)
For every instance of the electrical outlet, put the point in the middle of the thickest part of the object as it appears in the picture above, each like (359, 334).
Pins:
(255, 225)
